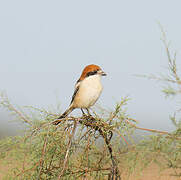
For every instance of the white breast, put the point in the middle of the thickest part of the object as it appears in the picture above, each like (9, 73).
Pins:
(89, 91)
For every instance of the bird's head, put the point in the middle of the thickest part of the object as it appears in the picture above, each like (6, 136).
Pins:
(91, 70)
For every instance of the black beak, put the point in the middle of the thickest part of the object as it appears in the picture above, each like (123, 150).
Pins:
(103, 73)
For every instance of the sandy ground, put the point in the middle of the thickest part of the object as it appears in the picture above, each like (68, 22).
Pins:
(151, 173)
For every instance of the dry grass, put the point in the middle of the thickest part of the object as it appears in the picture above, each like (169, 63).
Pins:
(150, 173)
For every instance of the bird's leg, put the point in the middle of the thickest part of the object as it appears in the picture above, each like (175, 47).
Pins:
(88, 112)
(83, 113)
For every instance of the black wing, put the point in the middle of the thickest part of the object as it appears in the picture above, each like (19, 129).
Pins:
(75, 92)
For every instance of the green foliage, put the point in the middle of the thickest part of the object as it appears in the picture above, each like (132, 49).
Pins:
(46, 151)
(163, 149)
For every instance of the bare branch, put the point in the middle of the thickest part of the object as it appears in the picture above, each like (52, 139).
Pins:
(68, 149)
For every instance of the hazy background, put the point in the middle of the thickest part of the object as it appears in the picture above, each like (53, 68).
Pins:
(44, 45)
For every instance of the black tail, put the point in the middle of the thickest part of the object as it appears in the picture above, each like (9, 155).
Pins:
(66, 113)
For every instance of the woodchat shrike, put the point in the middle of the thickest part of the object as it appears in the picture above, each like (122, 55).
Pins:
(87, 90)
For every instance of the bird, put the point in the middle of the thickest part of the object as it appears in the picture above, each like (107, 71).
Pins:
(88, 89)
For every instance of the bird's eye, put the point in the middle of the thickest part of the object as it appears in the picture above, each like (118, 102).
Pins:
(91, 73)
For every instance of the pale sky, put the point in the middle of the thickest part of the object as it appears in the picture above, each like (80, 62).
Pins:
(44, 45)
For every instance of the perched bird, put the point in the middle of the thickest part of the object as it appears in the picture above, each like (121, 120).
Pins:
(87, 90)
